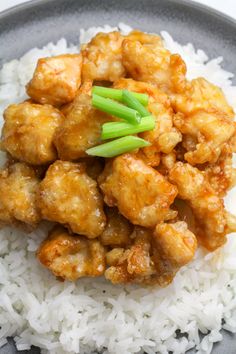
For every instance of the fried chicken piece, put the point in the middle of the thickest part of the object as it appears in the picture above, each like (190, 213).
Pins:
(133, 265)
(117, 231)
(207, 207)
(154, 258)
(211, 130)
(102, 57)
(164, 137)
(28, 132)
(18, 188)
(221, 175)
(141, 194)
(56, 79)
(69, 196)
(201, 95)
(71, 257)
(81, 129)
(149, 61)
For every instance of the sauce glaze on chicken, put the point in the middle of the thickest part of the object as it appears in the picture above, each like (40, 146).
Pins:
(136, 218)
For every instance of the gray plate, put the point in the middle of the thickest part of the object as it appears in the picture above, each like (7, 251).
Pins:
(38, 22)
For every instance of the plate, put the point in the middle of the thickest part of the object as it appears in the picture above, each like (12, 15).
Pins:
(40, 21)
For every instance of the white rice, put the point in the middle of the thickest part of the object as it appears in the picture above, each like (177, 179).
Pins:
(93, 315)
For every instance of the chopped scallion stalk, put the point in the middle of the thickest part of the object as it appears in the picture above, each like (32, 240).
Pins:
(117, 146)
(116, 129)
(133, 103)
(117, 94)
(116, 109)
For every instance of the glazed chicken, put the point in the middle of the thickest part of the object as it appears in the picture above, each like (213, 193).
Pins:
(18, 188)
(71, 256)
(56, 80)
(138, 215)
(29, 130)
(69, 196)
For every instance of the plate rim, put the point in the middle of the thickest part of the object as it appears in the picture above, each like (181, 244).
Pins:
(187, 3)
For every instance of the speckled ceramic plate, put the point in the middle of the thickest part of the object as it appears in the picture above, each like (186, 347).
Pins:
(40, 21)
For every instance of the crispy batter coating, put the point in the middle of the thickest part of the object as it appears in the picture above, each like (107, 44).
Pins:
(28, 132)
(154, 258)
(81, 129)
(164, 137)
(71, 256)
(56, 80)
(141, 194)
(207, 207)
(201, 95)
(69, 196)
(117, 231)
(18, 188)
(221, 175)
(211, 130)
(102, 57)
(133, 265)
(149, 61)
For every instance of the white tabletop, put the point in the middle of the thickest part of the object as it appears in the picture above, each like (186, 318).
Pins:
(226, 6)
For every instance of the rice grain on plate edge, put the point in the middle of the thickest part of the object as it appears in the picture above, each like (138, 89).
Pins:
(93, 314)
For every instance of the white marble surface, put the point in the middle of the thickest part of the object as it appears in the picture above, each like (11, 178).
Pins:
(226, 6)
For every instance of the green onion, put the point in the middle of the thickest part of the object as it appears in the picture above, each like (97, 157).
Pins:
(116, 109)
(115, 129)
(118, 146)
(133, 103)
(117, 95)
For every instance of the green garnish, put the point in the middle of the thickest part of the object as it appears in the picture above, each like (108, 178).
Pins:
(115, 129)
(118, 146)
(133, 103)
(116, 109)
(117, 94)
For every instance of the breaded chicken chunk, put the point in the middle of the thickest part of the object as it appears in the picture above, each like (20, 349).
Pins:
(102, 57)
(164, 137)
(153, 258)
(56, 79)
(18, 188)
(28, 132)
(69, 196)
(133, 265)
(207, 207)
(141, 194)
(71, 256)
(117, 231)
(81, 129)
(211, 130)
(202, 95)
(147, 60)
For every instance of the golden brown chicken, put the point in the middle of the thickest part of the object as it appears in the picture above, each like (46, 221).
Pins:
(102, 57)
(81, 129)
(117, 231)
(154, 258)
(56, 80)
(146, 59)
(141, 194)
(207, 207)
(18, 188)
(28, 132)
(211, 130)
(69, 196)
(71, 256)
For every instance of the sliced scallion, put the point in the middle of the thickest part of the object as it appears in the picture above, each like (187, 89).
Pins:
(117, 146)
(112, 130)
(116, 109)
(117, 94)
(133, 103)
